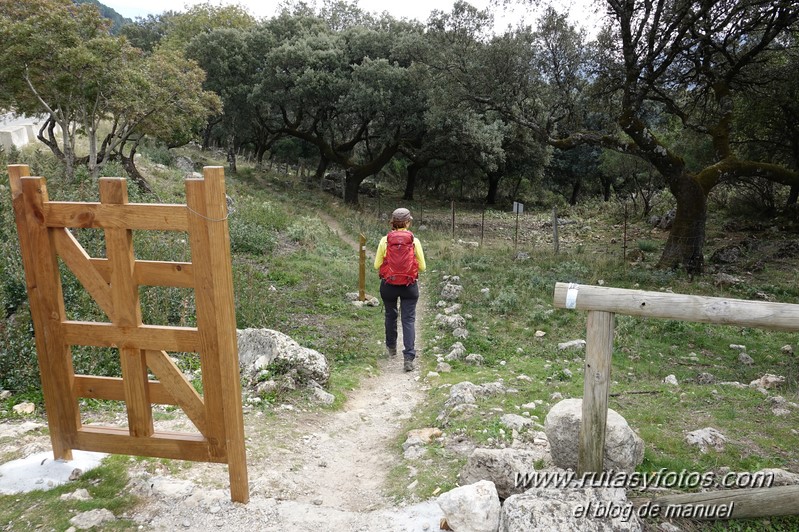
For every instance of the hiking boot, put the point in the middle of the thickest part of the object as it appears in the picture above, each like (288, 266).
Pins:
(408, 365)
(391, 352)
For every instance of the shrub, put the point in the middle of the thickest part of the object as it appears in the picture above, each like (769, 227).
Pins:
(648, 246)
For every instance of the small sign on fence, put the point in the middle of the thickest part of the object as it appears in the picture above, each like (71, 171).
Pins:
(518, 207)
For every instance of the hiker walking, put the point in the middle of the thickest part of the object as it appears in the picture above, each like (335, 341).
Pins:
(399, 259)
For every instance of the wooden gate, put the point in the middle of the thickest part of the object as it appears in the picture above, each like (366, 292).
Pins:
(113, 282)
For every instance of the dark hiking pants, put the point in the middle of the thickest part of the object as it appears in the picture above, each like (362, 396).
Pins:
(408, 296)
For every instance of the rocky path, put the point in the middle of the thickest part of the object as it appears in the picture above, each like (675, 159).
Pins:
(307, 470)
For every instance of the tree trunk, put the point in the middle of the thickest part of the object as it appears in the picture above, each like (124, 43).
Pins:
(231, 152)
(321, 168)
(133, 172)
(792, 197)
(410, 183)
(493, 187)
(685, 245)
(259, 156)
(517, 187)
(576, 186)
(607, 185)
(351, 185)
(209, 127)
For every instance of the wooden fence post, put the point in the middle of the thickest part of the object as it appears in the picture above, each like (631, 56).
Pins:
(555, 240)
(482, 225)
(47, 308)
(362, 269)
(453, 219)
(598, 351)
(219, 242)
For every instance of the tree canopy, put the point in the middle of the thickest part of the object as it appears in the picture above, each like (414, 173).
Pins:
(62, 61)
(701, 94)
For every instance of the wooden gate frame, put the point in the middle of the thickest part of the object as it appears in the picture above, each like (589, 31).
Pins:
(113, 282)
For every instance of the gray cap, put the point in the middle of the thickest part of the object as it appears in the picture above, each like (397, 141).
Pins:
(401, 215)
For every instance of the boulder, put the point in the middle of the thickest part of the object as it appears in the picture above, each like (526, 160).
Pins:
(571, 509)
(572, 344)
(92, 519)
(468, 392)
(460, 332)
(450, 321)
(780, 477)
(471, 508)
(24, 409)
(501, 467)
(624, 449)
(457, 352)
(475, 359)
(260, 347)
(462, 393)
(768, 381)
(451, 292)
(706, 438)
(516, 422)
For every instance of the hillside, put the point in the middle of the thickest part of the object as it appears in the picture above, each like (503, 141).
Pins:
(117, 20)
(348, 464)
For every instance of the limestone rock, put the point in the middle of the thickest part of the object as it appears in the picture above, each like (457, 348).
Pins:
(24, 409)
(781, 477)
(516, 422)
(500, 466)
(260, 347)
(474, 359)
(450, 321)
(706, 438)
(624, 449)
(573, 344)
(78, 495)
(451, 292)
(92, 518)
(322, 396)
(457, 352)
(768, 381)
(569, 510)
(472, 508)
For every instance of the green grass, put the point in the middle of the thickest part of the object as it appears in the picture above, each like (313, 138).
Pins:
(45, 509)
(291, 273)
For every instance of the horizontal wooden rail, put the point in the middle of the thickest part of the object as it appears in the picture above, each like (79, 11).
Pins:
(135, 216)
(722, 311)
(736, 503)
(110, 389)
(184, 339)
(153, 273)
(175, 445)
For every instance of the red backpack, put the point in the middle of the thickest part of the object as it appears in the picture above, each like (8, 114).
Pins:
(400, 266)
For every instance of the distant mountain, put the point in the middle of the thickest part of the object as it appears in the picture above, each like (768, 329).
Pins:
(117, 20)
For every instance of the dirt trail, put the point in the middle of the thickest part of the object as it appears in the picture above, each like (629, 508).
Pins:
(316, 470)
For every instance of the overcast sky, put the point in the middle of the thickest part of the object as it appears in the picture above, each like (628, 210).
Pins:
(579, 10)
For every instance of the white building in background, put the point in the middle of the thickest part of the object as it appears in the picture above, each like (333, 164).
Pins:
(18, 130)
